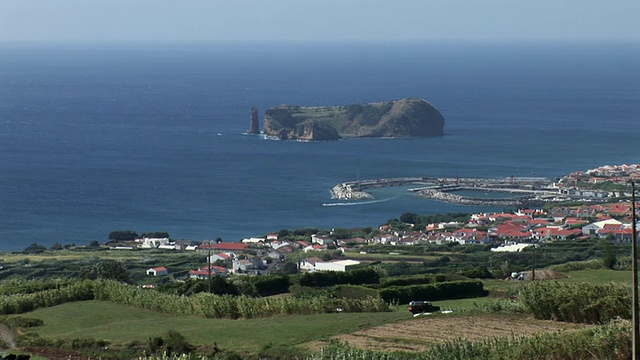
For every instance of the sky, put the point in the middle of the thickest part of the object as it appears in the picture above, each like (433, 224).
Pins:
(318, 20)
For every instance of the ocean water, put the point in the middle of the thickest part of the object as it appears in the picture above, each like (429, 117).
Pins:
(150, 137)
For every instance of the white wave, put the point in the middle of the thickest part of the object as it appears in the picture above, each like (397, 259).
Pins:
(359, 202)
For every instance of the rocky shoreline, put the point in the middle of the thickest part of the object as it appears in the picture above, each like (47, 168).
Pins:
(346, 192)
(462, 200)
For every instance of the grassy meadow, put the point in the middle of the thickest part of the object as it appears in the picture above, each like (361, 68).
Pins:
(120, 325)
(105, 320)
(108, 321)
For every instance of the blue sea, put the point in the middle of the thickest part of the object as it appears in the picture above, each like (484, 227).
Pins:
(149, 137)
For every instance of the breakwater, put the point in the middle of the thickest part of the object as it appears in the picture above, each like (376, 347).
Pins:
(531, 190)
(465, 200)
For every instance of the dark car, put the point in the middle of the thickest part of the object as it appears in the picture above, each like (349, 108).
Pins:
(418, 307)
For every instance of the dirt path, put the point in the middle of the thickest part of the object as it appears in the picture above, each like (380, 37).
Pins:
(8, 335)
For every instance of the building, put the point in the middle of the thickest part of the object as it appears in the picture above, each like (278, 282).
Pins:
(152, 243)
(340, 265)
(203, 272)
(158, 271)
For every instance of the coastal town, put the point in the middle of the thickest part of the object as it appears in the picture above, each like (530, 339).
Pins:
(604, 213)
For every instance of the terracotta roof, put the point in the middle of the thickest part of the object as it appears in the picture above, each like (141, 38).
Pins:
(225, 246)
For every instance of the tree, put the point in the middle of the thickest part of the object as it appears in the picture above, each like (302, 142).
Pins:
(283, 233)
(35, 248)
(107, 269)
(94, 243)
(287, 268)
(123, 235)
(56, 246)
(341, 233)
(409, 218)
(175, 344)
(156, 235)
(609, 259)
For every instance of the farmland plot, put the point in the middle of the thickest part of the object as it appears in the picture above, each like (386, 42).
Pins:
(419, 333)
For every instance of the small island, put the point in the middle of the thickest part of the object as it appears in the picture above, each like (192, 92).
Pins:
(397, 118)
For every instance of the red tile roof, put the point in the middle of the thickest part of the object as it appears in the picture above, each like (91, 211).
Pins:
(231, 246)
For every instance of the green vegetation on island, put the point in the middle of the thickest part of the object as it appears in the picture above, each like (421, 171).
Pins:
(398, 118)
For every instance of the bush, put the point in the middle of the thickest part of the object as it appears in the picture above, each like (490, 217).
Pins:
(578, 302)
(355, 292)
(15, 322)
(175, 343)
(418, 280)
(578, 265)
(433, 292)
(302, 292)
(331, 278)
(271, 285)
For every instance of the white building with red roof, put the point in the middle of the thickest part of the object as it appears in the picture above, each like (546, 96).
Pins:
(158, 271)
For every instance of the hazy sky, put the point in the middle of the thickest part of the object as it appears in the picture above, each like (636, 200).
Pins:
(318, 20)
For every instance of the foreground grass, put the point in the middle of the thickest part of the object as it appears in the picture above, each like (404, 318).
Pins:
(122, 324)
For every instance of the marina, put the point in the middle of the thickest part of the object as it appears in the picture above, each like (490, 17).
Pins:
(516, 191)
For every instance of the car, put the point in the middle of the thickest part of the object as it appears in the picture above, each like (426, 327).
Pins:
(418, 307)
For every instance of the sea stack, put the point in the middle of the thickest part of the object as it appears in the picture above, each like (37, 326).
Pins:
(254, 125)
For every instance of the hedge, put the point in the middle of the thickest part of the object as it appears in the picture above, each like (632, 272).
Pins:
(433, 292)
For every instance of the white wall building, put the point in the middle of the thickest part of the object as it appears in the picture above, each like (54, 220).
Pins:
(340, 265)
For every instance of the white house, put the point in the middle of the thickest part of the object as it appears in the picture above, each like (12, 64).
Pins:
(170, 246)
(322, 240)
(152, 243)
(222, 256)
(340, 265)
(158, 271)
(206, 271)
(314, 247)
(592, 229)
(309, 264)
(253, 240)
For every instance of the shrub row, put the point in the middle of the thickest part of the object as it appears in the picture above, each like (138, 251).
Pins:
(418, 280)
(21, 303)
(331, 278)
(432, 292)
(15, 286)
(579, 302)
(202, 304)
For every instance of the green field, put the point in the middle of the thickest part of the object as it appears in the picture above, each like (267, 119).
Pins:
(120, 324)
(107, 321)
(598, 276)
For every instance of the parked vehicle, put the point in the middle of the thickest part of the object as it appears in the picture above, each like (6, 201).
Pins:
(418, 307)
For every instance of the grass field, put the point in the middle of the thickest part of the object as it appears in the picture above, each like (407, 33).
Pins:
(396, 330)
(105, 320)
(598, 276)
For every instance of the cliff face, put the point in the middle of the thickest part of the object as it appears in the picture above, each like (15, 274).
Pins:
(304, 129)
(254, 124)
(398, 118)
